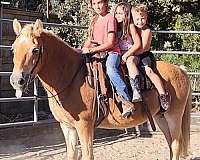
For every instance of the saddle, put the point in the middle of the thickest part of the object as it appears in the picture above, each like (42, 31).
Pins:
(98, 80)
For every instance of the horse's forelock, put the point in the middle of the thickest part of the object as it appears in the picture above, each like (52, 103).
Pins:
(28, 31)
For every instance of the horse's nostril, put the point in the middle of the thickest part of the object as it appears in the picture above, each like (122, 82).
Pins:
(21, 81)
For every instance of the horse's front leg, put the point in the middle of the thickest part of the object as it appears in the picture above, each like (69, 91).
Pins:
(86, 133)
(71, 139)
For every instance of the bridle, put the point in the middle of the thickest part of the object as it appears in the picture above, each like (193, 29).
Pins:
(32, 77)
(38, 59)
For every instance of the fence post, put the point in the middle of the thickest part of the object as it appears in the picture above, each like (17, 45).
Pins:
(35, 111)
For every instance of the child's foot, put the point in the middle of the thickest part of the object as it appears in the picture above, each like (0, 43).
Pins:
(127, 111)
(128, 108)
(136, 97)
(165, 100)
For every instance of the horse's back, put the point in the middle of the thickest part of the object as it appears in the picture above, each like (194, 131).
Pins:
(176, 83)
(174, 78)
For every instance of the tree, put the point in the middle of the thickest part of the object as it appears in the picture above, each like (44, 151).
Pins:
(25, 4)
(73, 12)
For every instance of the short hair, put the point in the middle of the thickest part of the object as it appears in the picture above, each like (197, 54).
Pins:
(94, 19)
(141, 8)
(106, 1)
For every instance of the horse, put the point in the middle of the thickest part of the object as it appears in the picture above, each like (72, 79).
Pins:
(61, 70)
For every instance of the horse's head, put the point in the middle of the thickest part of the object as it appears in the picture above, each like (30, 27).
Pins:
(27, 49)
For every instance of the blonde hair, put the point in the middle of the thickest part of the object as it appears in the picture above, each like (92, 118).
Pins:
(139, 8)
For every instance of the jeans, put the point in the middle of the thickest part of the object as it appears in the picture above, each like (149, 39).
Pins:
(112, 69)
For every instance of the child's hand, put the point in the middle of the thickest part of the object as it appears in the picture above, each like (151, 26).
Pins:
(124, 58)
(85, 50)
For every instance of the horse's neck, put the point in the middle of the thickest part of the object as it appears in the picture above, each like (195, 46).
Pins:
(60, 63)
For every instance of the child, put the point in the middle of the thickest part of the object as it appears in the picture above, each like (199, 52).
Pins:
(103, 35)
(139, 13)
(129, 43)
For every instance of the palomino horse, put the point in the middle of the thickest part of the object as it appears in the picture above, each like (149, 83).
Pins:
(61, 70)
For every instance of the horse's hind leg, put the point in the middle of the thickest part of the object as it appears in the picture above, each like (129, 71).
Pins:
(71, 139)
(163, 125)
(174, 124)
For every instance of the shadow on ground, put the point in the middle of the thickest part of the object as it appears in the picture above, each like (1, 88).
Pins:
(48, 138)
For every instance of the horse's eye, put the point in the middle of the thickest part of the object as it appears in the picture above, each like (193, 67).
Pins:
(35, 51)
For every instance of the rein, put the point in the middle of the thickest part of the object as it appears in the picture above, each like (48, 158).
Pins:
(40, 56)
(31, 76)
(54, 95)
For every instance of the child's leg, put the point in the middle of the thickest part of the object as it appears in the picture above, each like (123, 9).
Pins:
(112, 69)
(155, 80)
(132, 63)
(164, 98)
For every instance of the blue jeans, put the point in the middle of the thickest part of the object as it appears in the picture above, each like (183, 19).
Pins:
(112, 69)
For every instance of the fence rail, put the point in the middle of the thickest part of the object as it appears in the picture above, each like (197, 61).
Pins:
(85, 27)
(35, 99)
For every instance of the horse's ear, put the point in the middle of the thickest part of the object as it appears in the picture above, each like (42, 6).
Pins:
(38, 28)
(17, 27)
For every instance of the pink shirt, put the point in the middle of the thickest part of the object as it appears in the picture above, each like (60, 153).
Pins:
(102, 27)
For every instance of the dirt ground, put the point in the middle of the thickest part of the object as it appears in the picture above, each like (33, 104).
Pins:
(46, 142)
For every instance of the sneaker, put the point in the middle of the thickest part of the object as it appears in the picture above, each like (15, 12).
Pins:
(164, 102)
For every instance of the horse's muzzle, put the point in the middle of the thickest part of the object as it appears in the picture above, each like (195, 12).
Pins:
(17, 81)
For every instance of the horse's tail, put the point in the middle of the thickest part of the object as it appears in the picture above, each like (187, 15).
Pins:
(185, 139)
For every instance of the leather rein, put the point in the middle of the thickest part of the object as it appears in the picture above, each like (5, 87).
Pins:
(32, 77)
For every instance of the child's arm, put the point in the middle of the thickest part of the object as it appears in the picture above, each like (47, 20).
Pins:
(103, 47)
(137, 43)
(111, 37)
(86, 45)
(146, 36)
